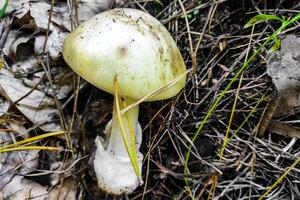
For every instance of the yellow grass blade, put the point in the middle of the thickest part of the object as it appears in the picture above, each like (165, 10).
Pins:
(132, 136)
(128, 149)
(47, 148)
(32, 139)
(226, 139)
(280, 178)
(154, 93)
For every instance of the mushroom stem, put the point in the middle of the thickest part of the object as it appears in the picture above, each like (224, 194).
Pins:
(130, 118)
(113, 167)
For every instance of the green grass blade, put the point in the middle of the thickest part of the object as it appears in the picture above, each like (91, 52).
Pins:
(230, 120)
(3, 9)
(242, 124)
(261, 18)
(247, 118)
(280, 178)
(275, 46)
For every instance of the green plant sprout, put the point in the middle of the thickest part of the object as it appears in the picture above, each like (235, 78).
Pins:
(3, 9)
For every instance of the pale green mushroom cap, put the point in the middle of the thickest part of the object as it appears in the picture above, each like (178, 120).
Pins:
(128, 44)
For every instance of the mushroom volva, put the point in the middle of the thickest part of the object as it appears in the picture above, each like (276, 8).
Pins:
(135, 50)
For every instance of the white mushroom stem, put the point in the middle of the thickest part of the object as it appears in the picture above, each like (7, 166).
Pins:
(112, 163)
(116, 141)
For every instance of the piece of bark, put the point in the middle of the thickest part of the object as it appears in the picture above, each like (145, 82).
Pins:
(284, 129)
(267, 115)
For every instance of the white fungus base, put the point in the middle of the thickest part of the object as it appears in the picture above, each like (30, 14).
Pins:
(115, 174)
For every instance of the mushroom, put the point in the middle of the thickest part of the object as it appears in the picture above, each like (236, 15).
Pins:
(133, 49)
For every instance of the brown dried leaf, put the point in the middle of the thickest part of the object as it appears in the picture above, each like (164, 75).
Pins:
(34, 104)
(34, 14)
(87, 8)
(267, 115)
(54, 43)
(65, 191)
(21, 162)
(22, 188)
(4, 105)
(30, 14)
(21, 46)
(284, 129)
(5, 24)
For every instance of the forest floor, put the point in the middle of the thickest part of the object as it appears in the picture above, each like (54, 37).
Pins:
(232, 133)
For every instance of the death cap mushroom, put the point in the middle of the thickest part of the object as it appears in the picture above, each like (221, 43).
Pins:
(129, 44)
(134, 48)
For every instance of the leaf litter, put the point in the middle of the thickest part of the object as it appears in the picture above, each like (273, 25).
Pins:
(32, 83)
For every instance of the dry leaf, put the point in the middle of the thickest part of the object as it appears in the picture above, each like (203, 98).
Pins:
(11, 163)
(65, 191)
(22, 188)
(31, 73)
(53, 45)
(12, 36)
(15, 164)
(34, 104)
(33, 14)
(5, 24)
(21, 46)
(88, 8)
(4, 105)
